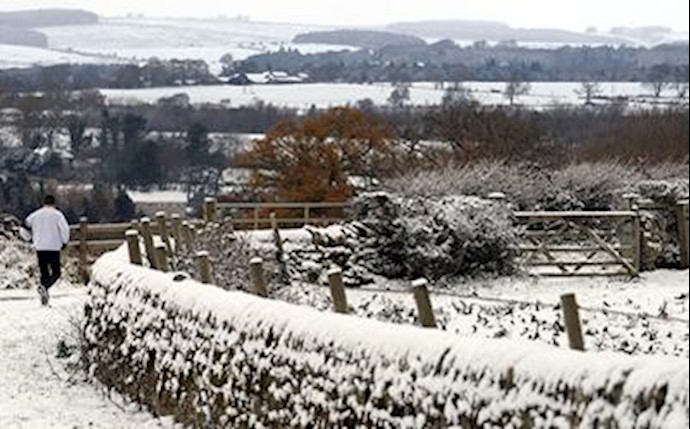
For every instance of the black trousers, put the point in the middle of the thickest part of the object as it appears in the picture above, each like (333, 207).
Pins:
(49, 264)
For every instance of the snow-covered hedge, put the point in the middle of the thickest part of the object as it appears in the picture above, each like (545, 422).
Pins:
(215, 358)
(434, 237)
(583, 186)
(18, 266)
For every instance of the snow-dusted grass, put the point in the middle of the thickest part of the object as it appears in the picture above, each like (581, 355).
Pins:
(36, 391)
(528, 309)
(18, 265)
(207, 355)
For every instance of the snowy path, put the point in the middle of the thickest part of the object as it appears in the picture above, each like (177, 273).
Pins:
(34, 391)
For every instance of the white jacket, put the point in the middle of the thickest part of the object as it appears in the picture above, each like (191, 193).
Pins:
(49, 229)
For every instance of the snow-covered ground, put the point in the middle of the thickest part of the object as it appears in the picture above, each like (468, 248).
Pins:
(136, 39)
(303, 96)
(618, 314)
(167, 38)
(36, 390)
(25, 56)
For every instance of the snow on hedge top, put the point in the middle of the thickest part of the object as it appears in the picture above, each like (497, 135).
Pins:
(636, 391)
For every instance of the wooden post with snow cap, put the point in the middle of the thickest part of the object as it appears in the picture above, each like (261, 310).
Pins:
(83, 249)
(148, 242)
(210, 208)
(421, 296)
(132, 236)
(162, 221)
(134, 224)
(257, 270)
(498, 197)
(335, 280)
(186, 235)
(571, 316)
(276, 235)
(162, 257)
(204, 267)
(683, 232)
(175, 222)
(638, 243)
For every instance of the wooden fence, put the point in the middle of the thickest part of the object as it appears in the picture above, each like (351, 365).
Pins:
(581, 243)
(555, 243)
(257, 215)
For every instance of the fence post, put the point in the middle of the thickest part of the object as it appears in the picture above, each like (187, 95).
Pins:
(132, 236)
(256, 217)
(134, 224)
(210, 207)
(148, 242)
(187, 236)
(280, 255)
(257, 271)
(162, 220)
(84, 249)
(683, 232)
(204, 267)
(229, 224)
(176, 223)
(192, 234)
(307, 213)
(421, 297)
(637, 239)
(335, 280)
(573, 327)
(162, 257)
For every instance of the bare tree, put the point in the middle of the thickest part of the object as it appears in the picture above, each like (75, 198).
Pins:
(657, 87)
(228, 63)
(457, 93)
(400, 95)
(681, 89)
(658, 79)
(515, 88)
(589, 90)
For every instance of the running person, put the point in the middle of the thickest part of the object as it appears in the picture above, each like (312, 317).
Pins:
(50, 234)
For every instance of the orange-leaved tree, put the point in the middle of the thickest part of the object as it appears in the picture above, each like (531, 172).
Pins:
(312, 159)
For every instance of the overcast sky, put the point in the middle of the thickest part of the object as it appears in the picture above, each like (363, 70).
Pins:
(571, 14)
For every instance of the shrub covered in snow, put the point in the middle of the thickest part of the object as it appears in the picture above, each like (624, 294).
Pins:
(434, 237)
(391, 237)
(227, 359)
(18, 266)
(584, 186)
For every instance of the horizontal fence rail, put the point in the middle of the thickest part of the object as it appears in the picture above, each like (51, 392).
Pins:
(257, 215)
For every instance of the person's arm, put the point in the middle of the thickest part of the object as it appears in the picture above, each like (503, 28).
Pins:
(63, 226)
(30, 220)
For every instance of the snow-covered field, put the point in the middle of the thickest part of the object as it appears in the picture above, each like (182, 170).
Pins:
(136, 39)
(36, 391)
(303, 96)
(24, 56)
(208, 40)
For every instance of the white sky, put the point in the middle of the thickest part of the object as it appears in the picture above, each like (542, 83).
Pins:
(571, 14)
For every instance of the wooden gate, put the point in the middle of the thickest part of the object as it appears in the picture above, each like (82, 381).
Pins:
(580, 243)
